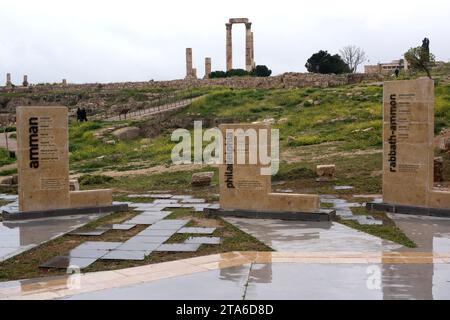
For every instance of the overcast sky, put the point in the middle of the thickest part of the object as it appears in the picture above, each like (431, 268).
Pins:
(114, 41)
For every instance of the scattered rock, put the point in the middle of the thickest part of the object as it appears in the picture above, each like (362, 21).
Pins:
(127, 133)
(367, 129)
(317, 102)
(202, 179)
(269, 120)
(283, 120)
(110, 142)
(326, 172)
(74, 185)
(9, 180)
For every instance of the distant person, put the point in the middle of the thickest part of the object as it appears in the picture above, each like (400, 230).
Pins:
(83, 115)
(79, 115)
(397, 72)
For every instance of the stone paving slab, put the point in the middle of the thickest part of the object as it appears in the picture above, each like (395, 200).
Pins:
(198, 230)
(203, 240)
(123, 226)
(96, 232)
(157, 232)
(137, 246)
(165, 201)
(170, 224)
(193, 200)
(148, 239)
(85, 253)
(124, 255)
(178, 247)
(98, 245)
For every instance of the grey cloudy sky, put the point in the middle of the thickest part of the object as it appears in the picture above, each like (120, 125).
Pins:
(109, 41)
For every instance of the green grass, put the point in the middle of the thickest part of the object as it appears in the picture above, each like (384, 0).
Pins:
(5, 158)
(388, 230)
(26, 265)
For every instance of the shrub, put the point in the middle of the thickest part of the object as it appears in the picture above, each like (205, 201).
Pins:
(237, 73)
(261, 71)
(217, 74)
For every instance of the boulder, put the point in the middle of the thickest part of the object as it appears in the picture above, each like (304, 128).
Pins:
(127, 133)
(9, 180)
(202, 179)
(74, 185)
(326, 172)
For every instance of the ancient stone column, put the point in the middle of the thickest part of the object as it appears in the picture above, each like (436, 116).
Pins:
(64, 82)
(194, 73)
(207, 67)
(8, 80)
(188, 63)
(253, 50)
(229, 47)
(25, 81)
(248, 46)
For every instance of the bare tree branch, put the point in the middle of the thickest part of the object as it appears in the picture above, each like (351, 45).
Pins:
(353, 57)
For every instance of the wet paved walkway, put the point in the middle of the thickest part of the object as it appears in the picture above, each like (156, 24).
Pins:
(256, 275)
(313, 260)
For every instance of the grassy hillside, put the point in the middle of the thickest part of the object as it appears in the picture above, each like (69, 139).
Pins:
(334, 125)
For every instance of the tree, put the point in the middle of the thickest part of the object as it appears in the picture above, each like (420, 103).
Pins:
(218, 74)
(261, 71)
(323, 62)
(237, 73)
(420, 58)
(353, 57)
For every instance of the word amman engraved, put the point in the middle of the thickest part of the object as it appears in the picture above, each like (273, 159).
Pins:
(34, 142)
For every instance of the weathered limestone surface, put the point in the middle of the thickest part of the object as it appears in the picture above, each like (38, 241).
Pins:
(43, 162)
(207, 67)
(229, 47)
(127, 133)
(90, 198)
(242, 186)
(42, 158)
(408, 153)
(201, 179)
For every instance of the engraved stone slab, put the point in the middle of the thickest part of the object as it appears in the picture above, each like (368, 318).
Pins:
(408, 152)
(245, 175)
(42, 158)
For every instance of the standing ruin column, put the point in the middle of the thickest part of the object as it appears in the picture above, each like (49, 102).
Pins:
(229, 47)
(207, 67)
(25, 81)
(188, 63)
(248, 46)
(8, 80)
(253, 50)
